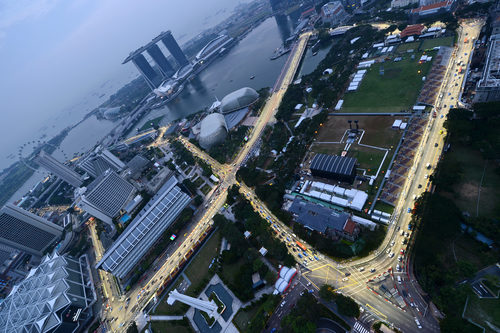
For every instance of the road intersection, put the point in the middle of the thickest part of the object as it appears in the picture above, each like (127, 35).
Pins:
(350, 277)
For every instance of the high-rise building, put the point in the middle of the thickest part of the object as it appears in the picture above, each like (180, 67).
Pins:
(174, 48)
(25, 231)
(56, 297)
(159, 58)
(57, 168)
(488, 87)
(105, 196)
(96, 163)
(158, 214)
(152, 78)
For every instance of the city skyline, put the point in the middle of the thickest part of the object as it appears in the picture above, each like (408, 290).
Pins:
(63, 41)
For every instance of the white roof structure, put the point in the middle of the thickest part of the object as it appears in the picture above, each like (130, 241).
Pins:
(419, 107)
(284, 280)
(354, 40)
(339, 105)
(57, 292)
(410, 39)
(403, 126)
(337, 195)
(238, 99)
(384, 49)
(213, 130)
(263, 251)
(377, 45)
(247, 234)
(298, 106)
(397, 123)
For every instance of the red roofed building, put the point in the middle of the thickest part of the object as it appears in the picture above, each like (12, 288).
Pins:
(351, 230)
(443, 6)
(412, 30)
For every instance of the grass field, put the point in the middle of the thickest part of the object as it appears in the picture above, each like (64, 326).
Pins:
(383, 207)
(151, 123)
(466, 193)
(205, 189)
(171, 326)
(378, 131)
(394, 91)
(196, 271)
(483, 311)
(443, 41)
(402, 48)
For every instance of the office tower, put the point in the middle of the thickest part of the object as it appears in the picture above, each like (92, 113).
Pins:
(25, 231)
(56, 296)
(174, 48)
(62, 171)
(96, 163)
(105, 196)
(159, 58)
(149, 74)
(133, 244)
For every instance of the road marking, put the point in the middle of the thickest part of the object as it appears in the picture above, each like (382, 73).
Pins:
(376, 312)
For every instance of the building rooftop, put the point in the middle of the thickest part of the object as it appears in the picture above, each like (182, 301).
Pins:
(50, 297)
(333, 163)
(145, 47)
(432, 6)
(415, 29)
(317, 217)
(238, 99)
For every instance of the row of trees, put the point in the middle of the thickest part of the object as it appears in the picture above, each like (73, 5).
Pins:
(345, 305)
(438, 219)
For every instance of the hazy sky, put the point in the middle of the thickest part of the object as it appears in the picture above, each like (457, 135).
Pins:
(53, 52)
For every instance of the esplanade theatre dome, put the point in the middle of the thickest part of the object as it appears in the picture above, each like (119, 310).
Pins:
(238, 99)
(213, 130)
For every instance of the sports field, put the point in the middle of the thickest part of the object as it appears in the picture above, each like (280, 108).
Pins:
(397, 89)
(443, 41)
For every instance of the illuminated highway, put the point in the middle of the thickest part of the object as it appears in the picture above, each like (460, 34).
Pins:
(360, 270)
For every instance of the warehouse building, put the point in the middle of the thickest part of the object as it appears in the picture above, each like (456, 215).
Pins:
(334, 167)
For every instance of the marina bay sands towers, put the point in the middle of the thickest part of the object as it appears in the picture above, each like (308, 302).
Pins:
(165, 68)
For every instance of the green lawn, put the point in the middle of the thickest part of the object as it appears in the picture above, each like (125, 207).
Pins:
(197, 273)
(198, 182)
(177, 326)
(431, 43)
(176, 309)
(151, 123)
(394, 91)
(205, 189)
(466, 192)
(383, 207)
(484, 310)
(408, 46)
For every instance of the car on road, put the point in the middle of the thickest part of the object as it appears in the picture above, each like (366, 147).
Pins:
(300, 256)
(347, 274)
(398, 268)
(372, 270)
(361, 269)
(392, 243)
(409, 210)
(391, 254)
(436, 144)
(419, 185)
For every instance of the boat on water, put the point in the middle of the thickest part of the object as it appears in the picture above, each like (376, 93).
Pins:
(252, 77)
(314, 53)
(279, 52)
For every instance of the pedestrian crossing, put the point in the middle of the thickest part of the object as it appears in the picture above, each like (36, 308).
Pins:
(359, 328)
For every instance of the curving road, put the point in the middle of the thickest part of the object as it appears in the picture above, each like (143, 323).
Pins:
(320, 269)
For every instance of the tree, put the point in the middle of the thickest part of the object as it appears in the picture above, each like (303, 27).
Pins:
(326, 293)
(346, 306)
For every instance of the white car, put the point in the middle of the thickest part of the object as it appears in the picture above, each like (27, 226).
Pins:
(391, 254)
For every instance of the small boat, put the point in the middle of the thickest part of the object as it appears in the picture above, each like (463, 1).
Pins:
(314, 53)
(252, 77)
